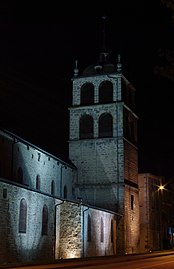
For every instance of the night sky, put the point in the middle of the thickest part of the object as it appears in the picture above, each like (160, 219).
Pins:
(39, 44)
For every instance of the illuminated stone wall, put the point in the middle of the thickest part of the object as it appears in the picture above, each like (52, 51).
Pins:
(67, 235)
(99, 246)
(131, 200)
(132, 222)
(70, 242)
(30, 245)
(130, 163)
(99, 161)
(18, 154)
(108, 166)
(74, 231)
(150, 212)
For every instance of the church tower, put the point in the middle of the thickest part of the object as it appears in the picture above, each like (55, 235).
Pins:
(103, 145)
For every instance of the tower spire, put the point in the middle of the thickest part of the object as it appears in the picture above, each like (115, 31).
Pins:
(104, 34)
(119, 65)
(104, 53)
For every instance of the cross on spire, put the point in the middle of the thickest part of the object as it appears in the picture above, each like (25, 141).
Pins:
(104, 34)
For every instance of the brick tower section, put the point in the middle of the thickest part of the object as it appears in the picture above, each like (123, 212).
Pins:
(101, 126)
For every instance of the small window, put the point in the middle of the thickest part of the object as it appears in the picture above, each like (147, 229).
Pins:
(23, 216)
(4, 193)
(89, 229)
(37, 182)
(52, 187)
(132, 202)
(20, 175)
(45, 220)
(101, 231)
(65, 192)
(39, 156)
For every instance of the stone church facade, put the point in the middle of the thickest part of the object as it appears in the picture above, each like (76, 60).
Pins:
(89, 207)
(40, 218)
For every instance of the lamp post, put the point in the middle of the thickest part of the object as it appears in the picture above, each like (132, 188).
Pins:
(167, 213)
(160, 190)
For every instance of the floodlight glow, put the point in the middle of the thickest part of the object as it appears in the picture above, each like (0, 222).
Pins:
(161, 187)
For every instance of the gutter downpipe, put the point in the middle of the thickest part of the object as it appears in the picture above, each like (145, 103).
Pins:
(83, 254)
(61, 179)
(55, 211)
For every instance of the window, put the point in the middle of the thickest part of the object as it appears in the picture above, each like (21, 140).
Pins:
(101, 231)
(89, 229)
(86, 127)
(23, 216)
(52, 187)
(20, 175)
(37, 182)
(87, 94)
(106, 92)
(65, 192)
(4, 193)
(45, 220)
(105, 125)
(132, 202)
(39, 156)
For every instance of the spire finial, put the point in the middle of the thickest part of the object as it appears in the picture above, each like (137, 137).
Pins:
(104, 34)
(119, 65)
(76, 70)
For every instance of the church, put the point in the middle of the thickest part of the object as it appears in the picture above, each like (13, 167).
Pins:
(51, 209)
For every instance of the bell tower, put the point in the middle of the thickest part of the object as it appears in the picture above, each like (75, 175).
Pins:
(103, 145)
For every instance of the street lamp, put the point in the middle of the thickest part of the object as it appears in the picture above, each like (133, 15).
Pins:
(161, 188)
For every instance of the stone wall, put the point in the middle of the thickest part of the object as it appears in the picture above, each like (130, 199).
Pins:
(18, 154)
(130, 162)
(74, 229)
(151, 229)
(67, 227)
(30, 245)
(132, 222)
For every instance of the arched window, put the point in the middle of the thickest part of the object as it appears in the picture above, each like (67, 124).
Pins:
(23, 216)
(105, 125)
(89, 229)
(65, 192)
(101, 231)
(87, 94)
(106, 92)
(86, 127)
(20, 175)
(37, 182)
(52, 187)
(45, 220)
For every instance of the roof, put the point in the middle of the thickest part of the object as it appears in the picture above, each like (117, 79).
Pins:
(103, 66)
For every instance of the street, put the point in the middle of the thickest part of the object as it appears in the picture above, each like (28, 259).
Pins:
(147, 261)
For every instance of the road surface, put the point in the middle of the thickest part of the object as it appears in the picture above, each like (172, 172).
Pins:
(148, 261)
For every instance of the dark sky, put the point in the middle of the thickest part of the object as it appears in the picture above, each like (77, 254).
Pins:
(39, 44)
